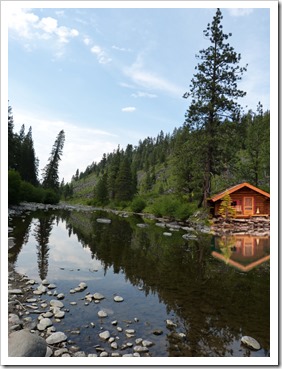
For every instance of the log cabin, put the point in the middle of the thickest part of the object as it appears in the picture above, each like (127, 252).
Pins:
(247, 200)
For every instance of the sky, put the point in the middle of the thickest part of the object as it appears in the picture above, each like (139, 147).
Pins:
(113, 76)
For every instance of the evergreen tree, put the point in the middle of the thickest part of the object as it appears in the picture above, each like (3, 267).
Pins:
(50, 172)
(101, 190)
(214, 93)
(124, 183)
(28, 168)
(11, 140)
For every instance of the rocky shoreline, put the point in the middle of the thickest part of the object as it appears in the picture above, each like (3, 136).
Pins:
(31, 324)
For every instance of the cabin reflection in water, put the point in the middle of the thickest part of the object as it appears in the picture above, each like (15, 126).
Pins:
(243, 251)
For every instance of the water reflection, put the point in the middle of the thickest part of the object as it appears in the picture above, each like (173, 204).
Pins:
(160, 277)
(243, 251)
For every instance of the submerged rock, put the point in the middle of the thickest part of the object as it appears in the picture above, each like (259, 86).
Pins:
(118, 299)
(102, 314)
(250, 342)
(104, 335)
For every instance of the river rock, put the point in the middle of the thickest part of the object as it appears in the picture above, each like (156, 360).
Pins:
(114, 345)
(44, 323)
(59, 315)
(250, 342)
(48, 314)
(140, 349)
(14, 319)
(56, 303)
(118, 299)
(104, 335)
(25, 344)
(170, 324)
(56, 337)
(15, 291)
(102, 314)
(45, 282)
(147, 343)
(167, 234)
(51, 286)
(98, 296)
(60, 296)
(103, 220)
(82, 285)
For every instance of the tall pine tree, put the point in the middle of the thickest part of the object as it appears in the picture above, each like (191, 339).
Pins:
(214, 94)
(51, 170)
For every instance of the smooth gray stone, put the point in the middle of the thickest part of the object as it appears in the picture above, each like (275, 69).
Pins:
(23, 343)
(56, 337)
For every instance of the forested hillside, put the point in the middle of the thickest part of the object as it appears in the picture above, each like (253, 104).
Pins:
(170, 168)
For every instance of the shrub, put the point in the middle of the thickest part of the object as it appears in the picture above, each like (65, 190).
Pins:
(174, 207)
(138, 204)
(31, 193)
(14, 184)
(51, 197)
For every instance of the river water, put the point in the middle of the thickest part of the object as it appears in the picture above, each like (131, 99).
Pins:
(214, 290)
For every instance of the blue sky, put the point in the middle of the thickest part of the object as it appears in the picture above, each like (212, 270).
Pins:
(113, 76)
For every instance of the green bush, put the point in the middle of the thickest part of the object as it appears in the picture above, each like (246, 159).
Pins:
(173, 207)
(51, 197)
(138, 204)
(31, 193)
(14, 184)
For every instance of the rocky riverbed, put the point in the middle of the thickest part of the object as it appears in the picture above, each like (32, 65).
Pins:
(32, 317)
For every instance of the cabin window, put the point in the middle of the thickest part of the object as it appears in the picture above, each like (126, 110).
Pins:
(237, 205)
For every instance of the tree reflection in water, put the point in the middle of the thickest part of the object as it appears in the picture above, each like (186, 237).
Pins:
(42, 232)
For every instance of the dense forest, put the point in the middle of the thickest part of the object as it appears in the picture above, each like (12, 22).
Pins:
(173, 174)
(23, 182)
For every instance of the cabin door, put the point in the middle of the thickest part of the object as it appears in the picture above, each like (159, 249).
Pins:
(248, 205)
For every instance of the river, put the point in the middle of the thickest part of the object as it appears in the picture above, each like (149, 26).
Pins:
(213, 290)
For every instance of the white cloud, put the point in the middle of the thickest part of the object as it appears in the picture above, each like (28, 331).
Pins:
(149, 80)
(120, 48)
(87, 40)
(128, 109)
(239, 12)
(82, 145)
(144, 94)
(28, 25)
(101, 54)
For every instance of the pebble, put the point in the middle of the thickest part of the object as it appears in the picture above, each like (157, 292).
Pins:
(147, 343)
(114, 345)
(170, 324)
(15, 292)
(104, 335)
(60, 314)
(60, 296)
(56, 303)
(140, 349)
(98, 296)
(51, 286)
(44, 323)
(102, 314)
(250, 342)
(56, 337)
(118, 299)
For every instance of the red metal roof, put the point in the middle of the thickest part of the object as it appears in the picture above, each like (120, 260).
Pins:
(236, 188)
